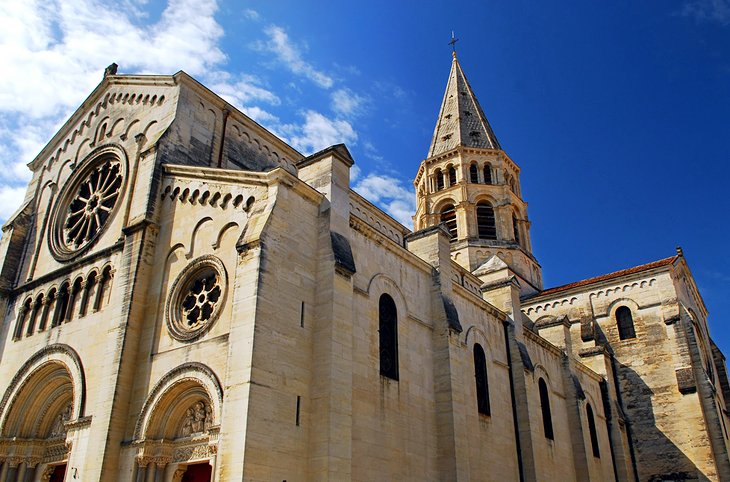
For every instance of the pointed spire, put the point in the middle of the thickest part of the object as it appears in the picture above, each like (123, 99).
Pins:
(461, 121)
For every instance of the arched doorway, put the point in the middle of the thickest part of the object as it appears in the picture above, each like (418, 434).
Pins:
(177, 432)
(34, 417)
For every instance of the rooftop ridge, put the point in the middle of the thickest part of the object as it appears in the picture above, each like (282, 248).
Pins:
(606, 277)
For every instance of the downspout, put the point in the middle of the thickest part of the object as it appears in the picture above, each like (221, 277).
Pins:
(505, 324)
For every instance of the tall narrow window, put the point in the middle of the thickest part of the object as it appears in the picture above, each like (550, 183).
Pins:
(448, 217)
(23, 315)
(480, 373)
(592, 431)
(388, 337)
(516, 229)
(37, 306)
(487, 174)
(59, 313)
(547, 418)
(452, 176)
(473, 174)
(439, 179)
(485, 221)
(625, 323)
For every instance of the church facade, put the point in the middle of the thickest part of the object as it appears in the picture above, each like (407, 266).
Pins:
(185, 297)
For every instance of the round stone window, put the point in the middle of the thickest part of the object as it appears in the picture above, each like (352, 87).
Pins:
(87, 203)
(196, 298)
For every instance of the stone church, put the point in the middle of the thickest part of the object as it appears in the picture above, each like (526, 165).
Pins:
(185, 297)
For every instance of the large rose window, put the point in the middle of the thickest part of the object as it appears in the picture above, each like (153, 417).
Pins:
(87, 203)
(196, 298)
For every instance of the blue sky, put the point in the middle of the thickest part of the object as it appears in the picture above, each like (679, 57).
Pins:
(617, 112)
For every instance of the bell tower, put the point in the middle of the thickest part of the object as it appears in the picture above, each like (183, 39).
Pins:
(468, 183)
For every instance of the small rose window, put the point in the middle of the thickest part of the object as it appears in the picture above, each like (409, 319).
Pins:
(196, 298)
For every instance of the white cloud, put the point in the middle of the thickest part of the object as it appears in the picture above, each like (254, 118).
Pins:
(10, 200)
(251, 14)
(708, 10)
(347, 103)
(288, 53)
(319, 132)
(390, 194)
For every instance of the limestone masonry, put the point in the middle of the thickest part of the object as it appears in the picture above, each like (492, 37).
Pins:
(185, 297)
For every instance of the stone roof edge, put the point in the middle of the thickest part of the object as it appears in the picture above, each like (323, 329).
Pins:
(581, 285)
(267, 178)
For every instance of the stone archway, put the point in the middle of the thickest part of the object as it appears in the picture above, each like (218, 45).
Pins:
(41, 405)
(176, 435)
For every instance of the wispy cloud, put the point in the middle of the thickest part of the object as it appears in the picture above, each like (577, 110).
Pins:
(708, 10)
(347, 103)
(318, 132)
(290, 55)
(391, 194)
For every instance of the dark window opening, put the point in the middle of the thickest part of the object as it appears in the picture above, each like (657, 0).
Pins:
(388, 337)
(452, 176)
(592, 431)
(448, 218)
(516, 229)
(439, 180)
(487, 174)
(482, 383)
(486, 222)
(547, 418)
(625, 323)
(473, 174)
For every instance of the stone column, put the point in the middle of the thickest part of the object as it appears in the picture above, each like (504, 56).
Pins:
(12, 472)
(31, 468)
(141, 469)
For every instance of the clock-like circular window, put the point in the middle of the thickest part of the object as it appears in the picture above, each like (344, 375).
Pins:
(196, 298)
(87, 203)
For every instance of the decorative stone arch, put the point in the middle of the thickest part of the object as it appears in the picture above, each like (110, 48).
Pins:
(382, 284)
(540, 372)
(477, 197)
(60, 354)
(44, 401)
(175, 382)
(623, 301)
(475, 334)
(179, 423)
(439, 205)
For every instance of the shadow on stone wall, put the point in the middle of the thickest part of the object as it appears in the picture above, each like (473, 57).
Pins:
(657, 457)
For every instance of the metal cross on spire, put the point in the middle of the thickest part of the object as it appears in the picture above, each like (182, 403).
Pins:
(453, 43)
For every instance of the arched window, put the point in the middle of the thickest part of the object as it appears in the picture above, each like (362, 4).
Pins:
(516, 229)
(485, 221)
(59, 313)
(480, 373)
(74, 299)
(474, 174)
(48, 307)
(102, 292)
(89, 288)
(388, 337)
(439, 179)
(547, 418)
(23, 315)
(448, 217)
(625, 323)
(592, 431)
(487, 174)
(37, 307)
(452, 176)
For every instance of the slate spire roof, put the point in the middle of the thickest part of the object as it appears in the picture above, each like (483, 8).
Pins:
(461, 121)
